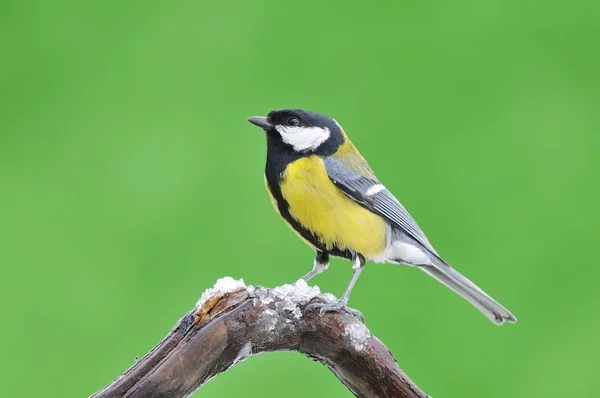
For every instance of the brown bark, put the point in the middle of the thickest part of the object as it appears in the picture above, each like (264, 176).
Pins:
(227, 327)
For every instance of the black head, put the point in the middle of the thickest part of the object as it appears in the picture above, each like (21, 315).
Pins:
(303, 131)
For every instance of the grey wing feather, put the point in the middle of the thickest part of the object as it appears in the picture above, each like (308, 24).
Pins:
(382, 203)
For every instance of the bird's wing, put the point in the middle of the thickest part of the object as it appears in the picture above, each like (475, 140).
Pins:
(372, 195)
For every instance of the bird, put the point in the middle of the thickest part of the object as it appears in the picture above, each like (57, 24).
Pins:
(327, 193)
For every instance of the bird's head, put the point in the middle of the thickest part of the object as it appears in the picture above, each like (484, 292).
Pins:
(303, 131)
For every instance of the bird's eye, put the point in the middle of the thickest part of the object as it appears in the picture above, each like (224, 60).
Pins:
(293, 121)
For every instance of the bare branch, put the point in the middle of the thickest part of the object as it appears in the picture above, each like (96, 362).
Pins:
(232, 321)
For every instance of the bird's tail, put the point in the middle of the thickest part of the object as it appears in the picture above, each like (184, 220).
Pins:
(467, 289)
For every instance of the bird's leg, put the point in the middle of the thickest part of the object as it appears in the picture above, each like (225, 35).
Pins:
(321, 264)
(358, 263)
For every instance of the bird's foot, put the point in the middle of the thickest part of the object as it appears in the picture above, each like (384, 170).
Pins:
(336, 306)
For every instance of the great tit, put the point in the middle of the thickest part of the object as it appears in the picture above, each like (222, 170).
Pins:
(326, 192)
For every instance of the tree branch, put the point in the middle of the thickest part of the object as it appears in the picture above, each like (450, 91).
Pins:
(231, 322)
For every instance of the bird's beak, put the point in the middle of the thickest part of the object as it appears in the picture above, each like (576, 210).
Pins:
(260, 121)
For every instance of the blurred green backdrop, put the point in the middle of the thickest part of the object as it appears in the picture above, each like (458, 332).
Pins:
(130, 181)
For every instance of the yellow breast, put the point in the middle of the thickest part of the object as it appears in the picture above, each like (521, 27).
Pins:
(317, 204)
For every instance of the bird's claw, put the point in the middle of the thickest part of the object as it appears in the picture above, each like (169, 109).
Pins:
(336, 306)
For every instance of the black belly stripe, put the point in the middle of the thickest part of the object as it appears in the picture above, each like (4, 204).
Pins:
(274, 171)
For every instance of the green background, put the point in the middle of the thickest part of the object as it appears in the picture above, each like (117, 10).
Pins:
(130, 181)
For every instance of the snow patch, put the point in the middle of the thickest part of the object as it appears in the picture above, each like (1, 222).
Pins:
(329, 297)
(358, 334)
(269, 319)
(290, 296)
(222, 286)
(299, 292)
(287, 298)
(297, 313)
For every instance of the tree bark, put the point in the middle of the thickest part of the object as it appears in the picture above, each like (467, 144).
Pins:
(229, 324)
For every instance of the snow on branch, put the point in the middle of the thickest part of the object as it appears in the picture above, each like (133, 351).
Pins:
(232, 321)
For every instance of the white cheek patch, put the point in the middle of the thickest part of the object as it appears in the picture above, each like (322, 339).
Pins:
(303, 138)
